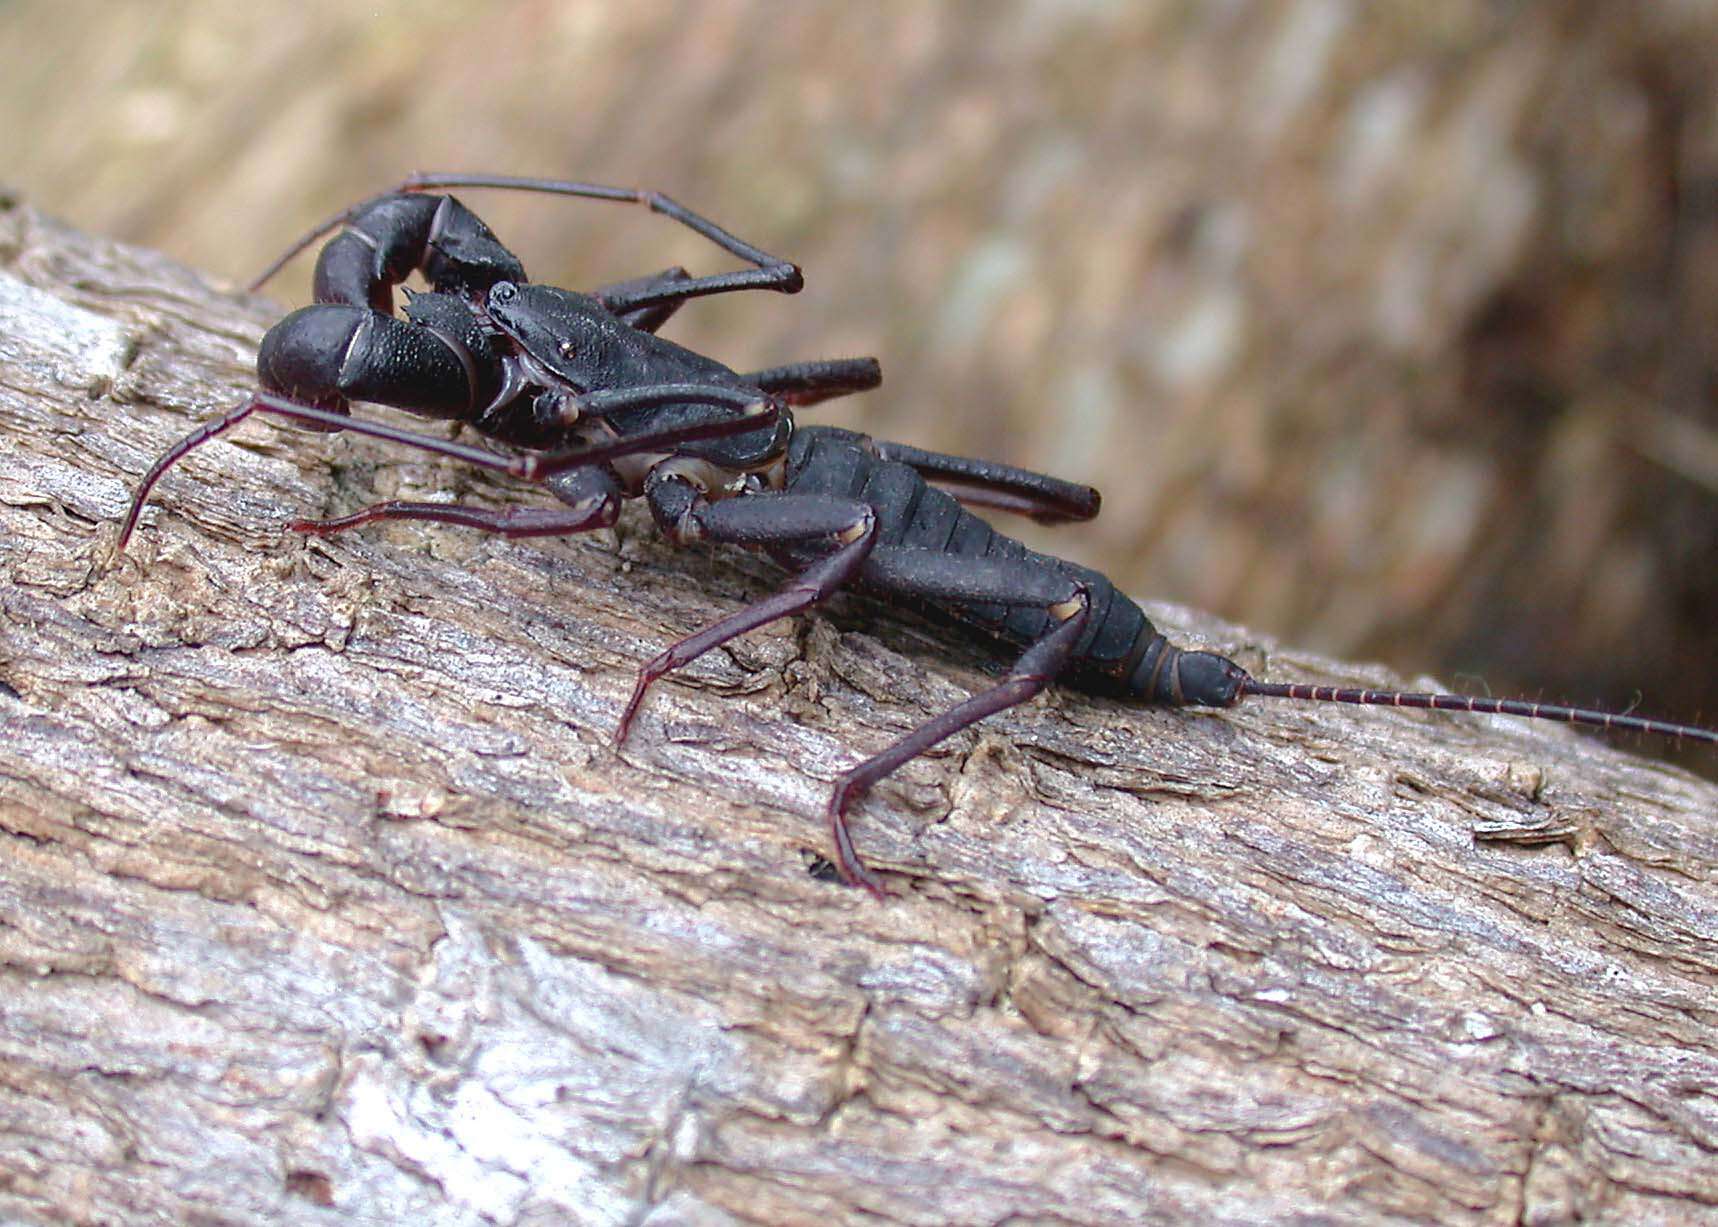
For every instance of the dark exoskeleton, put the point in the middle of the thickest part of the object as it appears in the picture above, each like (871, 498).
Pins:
(600, 409)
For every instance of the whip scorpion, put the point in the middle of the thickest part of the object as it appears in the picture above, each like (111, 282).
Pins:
(598, 408)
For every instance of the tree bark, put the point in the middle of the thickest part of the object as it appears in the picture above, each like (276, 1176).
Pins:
(325, 896)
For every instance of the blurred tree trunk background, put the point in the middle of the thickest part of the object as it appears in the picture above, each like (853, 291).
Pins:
(1383, 327)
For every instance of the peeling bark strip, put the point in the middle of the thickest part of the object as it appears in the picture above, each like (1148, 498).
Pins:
(324, 899)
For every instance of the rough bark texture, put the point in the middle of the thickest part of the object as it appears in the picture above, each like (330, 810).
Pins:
(324, 898)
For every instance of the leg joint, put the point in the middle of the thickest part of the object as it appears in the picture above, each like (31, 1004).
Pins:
(864, 526)
(1075, 606)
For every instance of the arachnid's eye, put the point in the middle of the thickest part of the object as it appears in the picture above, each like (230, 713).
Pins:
(503, 292)
(566, 349)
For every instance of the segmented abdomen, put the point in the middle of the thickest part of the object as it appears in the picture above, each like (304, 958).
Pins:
(1119, 651)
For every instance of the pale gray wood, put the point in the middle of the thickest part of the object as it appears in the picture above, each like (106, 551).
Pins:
(324, 898)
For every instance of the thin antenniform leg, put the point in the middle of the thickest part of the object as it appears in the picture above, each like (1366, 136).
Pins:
(529, 466)
(1483, 706)
(784, 279)
(508, 522)
(771, 273)
(592, 496)
(647, 319)
(176, 453)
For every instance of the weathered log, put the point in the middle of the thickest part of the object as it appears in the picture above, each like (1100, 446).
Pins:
(322, 885)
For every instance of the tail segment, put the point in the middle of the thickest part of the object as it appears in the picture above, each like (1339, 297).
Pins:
(1459, 702)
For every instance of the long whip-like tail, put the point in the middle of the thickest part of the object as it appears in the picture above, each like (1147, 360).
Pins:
(1485, 706)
